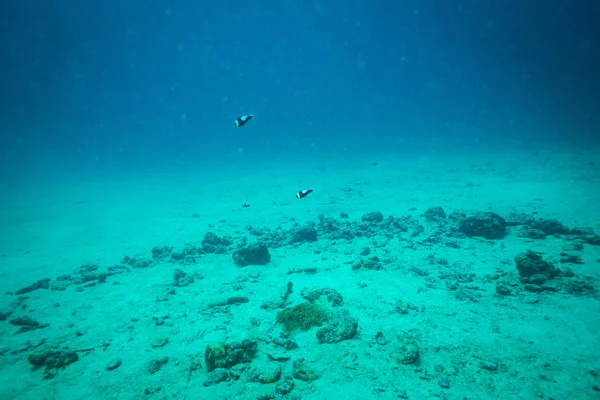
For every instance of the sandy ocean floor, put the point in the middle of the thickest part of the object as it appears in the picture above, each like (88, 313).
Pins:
(437, 315)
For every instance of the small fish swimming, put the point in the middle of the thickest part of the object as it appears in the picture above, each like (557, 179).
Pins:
(303, 193)
(243, 120)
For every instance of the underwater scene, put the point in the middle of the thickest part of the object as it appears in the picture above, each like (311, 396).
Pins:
(300, 200)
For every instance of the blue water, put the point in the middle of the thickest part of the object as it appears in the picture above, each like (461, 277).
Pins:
(117, 136)
(111, 85)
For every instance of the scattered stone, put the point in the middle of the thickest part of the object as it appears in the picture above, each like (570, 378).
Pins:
(303, 372)
(265, 372)
(228, 355)
(182, 279)
(215, 244)
(582, 231)
(195, 365)
(533, 288)
(568, 272)
(407, 353)
(303, 234)
(288, 344)
(580, 287)
(531, 233)
(435, 214)
(216, 376)
(341, 326)
(230, 301)
(549, 226)
(278, 358)
(444, 384)
(188, 255)
(160, 342)
(152, 390)
(4, 315)
(113, 364)
(531, 263)
(594, 240)
(401, 307)
(573, 246)
(373, 217)
(365, 251)
(567, 258)
(308, 271)
(514, 219)
(372, 263)
(155, 365)
(538, 279)
(118, 269)
(52, 359)
(41, 284)
(285, 386)
(27, 324)
(254, 254)
(333, 296)
(237, 371)
(487, 225)
(160, 253)
(141, 263)
(489, 365)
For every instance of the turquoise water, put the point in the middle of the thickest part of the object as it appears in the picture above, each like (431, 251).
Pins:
(152, 249)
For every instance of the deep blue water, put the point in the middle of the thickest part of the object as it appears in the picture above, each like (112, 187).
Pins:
(138, 84)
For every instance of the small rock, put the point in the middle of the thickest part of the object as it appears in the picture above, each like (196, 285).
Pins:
(444, 384)
(303, 372)
(407, 353)
(151, 390)
(435, 214)
(305, 233)
(41, 284)
(267, 372)
(487, 225)
(538, 279)
(285, 386)
(490, 365)
(341, 326)
(113, 364)
(160, 342)
(155, 365)
(568, 272)
(502, 289)
(373, 217)
(218, 375)
(531, 263)
(4, 315)
(254, 254)
(182, 279)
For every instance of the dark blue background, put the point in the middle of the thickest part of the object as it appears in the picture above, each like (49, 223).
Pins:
(130, 84)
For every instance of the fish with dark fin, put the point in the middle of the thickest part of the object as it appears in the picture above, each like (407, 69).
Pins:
(243, 120)
(303, 193)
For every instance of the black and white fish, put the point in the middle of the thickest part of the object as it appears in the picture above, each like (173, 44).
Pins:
(243, 120)
(303, 193)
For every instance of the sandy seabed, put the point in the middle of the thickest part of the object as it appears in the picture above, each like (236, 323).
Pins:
(434, 294)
